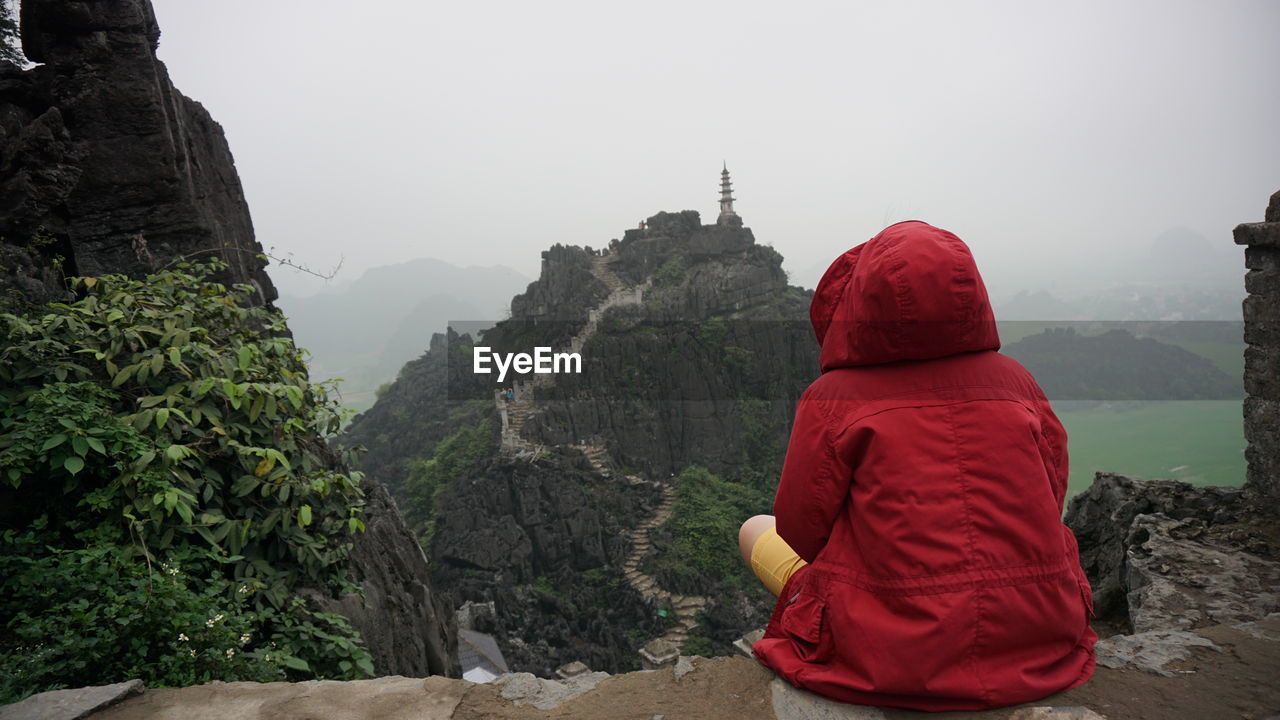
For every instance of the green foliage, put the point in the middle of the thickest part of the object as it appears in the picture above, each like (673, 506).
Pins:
(671, 273)
(166, 417)
(542, 584)
(96, 615)
(758, 436)
(714, 332)
(739, 360)
(704, 525)
(454, 457)
(699, 645)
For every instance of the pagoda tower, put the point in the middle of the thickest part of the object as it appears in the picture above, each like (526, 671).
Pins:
(727, 215)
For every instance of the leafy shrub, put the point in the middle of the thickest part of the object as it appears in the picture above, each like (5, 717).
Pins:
(97, 615)
(455, 456)
(699, 645)
(704, 527)
(162, 418)
(671, 273)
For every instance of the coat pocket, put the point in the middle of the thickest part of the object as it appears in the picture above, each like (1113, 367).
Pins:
(803, 622)
(1086, 595)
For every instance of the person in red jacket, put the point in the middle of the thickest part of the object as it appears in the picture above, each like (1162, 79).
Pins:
(919, 555)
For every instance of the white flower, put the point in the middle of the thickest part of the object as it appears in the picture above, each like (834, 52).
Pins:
(230, 652)
(193, 653)
(244, 638)
(182, 637)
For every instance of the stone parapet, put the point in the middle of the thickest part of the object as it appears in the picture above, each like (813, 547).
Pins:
(1262, 356)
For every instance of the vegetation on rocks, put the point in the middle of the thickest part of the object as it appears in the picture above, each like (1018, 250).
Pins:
(704, 528)
(166, 491)
(454, 457)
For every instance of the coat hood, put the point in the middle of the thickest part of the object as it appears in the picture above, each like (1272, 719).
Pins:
(910, 293)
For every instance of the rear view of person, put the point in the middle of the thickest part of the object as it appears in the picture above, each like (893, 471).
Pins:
(919, 555)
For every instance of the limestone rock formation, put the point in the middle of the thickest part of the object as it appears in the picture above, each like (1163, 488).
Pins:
(535, 539)
(694, 350)
(104, 164)
(1165, 555)
(406, 625)
(1178, 577)
(666, 381)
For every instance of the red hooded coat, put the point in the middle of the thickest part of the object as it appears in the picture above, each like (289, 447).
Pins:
(924, 484)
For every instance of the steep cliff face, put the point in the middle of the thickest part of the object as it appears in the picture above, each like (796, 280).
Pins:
(104, 163)
(106, 168)
(542, 541)
(407, 625)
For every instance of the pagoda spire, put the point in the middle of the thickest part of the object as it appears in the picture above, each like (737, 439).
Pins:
(727, 215)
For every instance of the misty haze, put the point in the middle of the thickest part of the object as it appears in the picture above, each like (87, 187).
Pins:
(516, 346)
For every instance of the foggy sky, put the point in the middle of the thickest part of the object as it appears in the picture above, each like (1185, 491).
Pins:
(1058, 139)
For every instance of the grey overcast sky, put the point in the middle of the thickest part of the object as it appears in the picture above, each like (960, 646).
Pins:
(1058, 139)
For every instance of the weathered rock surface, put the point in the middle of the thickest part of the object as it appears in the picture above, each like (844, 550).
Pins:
(1102, 518)
(104, 163)
(538, 539)
(791, 703)
(565, 289)
(70, 704)
(1238, 681)
(385, 698)
(1151, 651)
(528, 689)
(1178, 578)
(407, 626)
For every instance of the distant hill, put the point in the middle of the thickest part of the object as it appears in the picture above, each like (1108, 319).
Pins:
(1128, 301)
(1180, 275)
(366, 330)
(1116, 365)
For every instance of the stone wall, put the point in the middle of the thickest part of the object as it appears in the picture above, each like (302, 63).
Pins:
(1262, 356)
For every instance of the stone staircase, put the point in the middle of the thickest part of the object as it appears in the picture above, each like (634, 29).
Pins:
(600, 268)
(686, 607)
(515, 413)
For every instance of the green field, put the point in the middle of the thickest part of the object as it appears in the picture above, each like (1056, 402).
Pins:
(1200, 442)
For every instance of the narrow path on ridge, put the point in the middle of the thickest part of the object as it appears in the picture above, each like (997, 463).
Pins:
(515, 414)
